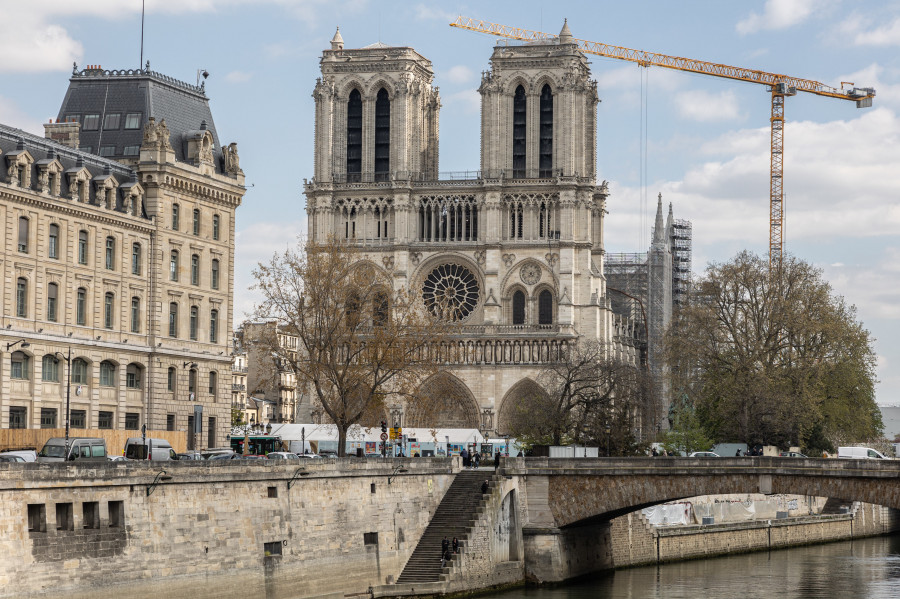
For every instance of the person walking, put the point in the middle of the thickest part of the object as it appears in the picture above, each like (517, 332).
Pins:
(446, 557)
(445, 544)
(497, 460)
(476, 460)
(455, 545)
(465, 457)
(484, 487)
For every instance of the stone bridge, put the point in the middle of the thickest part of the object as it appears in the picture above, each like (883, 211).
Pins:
(567, 503)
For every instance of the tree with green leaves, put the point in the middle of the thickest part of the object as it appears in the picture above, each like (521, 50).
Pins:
(770, 355)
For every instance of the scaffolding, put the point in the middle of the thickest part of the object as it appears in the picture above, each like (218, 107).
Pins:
(681, 246)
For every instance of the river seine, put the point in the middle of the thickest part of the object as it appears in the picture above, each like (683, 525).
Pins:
(863, 569)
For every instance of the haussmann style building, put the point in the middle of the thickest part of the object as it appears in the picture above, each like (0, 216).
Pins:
(119, 252)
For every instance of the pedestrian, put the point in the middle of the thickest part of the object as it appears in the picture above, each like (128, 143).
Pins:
(475, 460)
(484, 487)
(465, 457)
(445, 544)
(446, 557)
(737, 454)
(497, 460)
(455, 545)
(654, 453)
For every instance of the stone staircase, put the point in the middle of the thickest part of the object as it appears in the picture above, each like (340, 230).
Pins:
(452, 518)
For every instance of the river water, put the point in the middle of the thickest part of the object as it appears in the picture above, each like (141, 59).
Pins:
(863, 569)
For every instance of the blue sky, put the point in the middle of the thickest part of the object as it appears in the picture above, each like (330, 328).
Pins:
(707, 139)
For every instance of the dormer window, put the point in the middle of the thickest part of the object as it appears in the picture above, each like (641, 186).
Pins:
(91, 122)
(132, 151)
(107, 151)
(133, 120)
(112, 121)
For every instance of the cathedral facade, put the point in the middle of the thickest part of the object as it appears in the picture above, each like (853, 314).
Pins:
(519, 248)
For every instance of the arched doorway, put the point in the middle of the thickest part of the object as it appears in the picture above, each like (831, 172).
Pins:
(523, 400)
(443, 401)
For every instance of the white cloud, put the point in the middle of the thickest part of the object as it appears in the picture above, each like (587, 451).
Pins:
(424, 12)
(10, 113)
(705, 106)
(778, 14)
(865, 31)
(458, 74)
(238, 77)
(468, 100)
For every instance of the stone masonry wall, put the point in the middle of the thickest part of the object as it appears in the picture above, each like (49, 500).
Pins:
(218, 528)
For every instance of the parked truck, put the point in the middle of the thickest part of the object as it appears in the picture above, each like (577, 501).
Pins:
(860, 453)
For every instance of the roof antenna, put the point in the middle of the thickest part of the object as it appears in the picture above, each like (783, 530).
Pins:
(140, 64)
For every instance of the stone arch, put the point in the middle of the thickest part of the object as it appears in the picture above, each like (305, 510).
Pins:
(514, 81)
(344, 94)
(513, 278)
(506, 302)
(545, 79)
(443, 401)
(507, 545)
(376, 86)
(517, 393)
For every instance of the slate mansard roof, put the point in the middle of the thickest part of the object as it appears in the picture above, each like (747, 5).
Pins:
(14, 140)
(95, 91)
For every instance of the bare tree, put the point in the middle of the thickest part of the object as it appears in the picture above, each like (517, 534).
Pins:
(361, 342)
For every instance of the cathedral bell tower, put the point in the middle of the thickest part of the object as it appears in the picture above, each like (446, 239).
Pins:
(538, 111)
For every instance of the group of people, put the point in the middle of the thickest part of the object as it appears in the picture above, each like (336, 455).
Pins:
(448, 550)
(661, 452)
(470, 459)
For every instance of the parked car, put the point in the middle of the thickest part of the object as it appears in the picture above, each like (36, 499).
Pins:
(28, 455)
(222, 456)
(190, 455)
(282, 455)
(81, 449)
(11, 458)
(116, 458)
(791, 454)
(140, 448)
(216, 451)
(252, 456)
(703, 454)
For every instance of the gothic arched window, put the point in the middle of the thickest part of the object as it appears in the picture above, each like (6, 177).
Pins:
(545, 155)
(518, 143)
(545, 307)
(518, 308)
(382, 136)
(354, 136)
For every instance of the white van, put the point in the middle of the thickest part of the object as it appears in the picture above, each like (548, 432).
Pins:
(138, 448)
(81, 449)
(860, 453)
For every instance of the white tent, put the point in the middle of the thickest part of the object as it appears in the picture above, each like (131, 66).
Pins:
(329, 432)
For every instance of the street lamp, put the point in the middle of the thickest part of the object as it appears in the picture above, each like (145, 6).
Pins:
(68, 359)
(608, 436)
(15, 343)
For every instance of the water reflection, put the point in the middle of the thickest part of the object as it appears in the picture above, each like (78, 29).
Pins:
(868, 568)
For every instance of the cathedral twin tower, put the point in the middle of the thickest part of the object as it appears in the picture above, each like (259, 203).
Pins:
(521, 246)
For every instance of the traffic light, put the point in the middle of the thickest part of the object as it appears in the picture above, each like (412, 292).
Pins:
(383, 426)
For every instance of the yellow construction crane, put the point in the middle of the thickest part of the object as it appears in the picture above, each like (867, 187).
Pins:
(780, 86)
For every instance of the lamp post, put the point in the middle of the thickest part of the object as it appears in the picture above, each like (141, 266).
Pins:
(608, 436)
(68, 359)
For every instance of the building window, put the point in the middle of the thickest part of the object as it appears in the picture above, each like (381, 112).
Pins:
(105, 421)
(48, 417)
(545, 153)
(20, 366)
(107, 374)
(107, 151)
(23, 234)
(80, 309)
(545, 307)
(53, 242)
(382, 135)
(173, 319)
(133, 377)
(91, 122)
(135, 315)
(170, 422)
(112, 121)
(173, 266)
(215, 231)
(50, 369)
(195, 269)
(380, 309)
(213, 383)
(82, 247)
(79, 371)
(196, 221)
(170, 379)
(213, 326)
(131, 421)
(193, 323)
(518, 308)
(78, 419)
(22, 297)
(90, 513)
(192, 382)
(131, 151)
(52, 293)
(519, 127)
(133, 120)
(17, 417)
(110, 253)
(135, 258)
(176, 212)
(354, 136)
(214, 274)
(37, 517)
(108, 310)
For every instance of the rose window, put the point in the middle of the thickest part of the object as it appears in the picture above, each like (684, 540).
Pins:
(451, 292)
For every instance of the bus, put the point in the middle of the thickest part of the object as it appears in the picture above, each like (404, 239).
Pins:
(259, 444)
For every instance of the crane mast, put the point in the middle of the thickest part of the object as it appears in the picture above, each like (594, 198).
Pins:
(780, 87)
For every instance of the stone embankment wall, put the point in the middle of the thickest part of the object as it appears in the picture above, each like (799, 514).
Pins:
(633, 541)
(213, 529)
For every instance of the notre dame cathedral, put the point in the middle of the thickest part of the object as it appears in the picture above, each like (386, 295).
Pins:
(519, 248)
